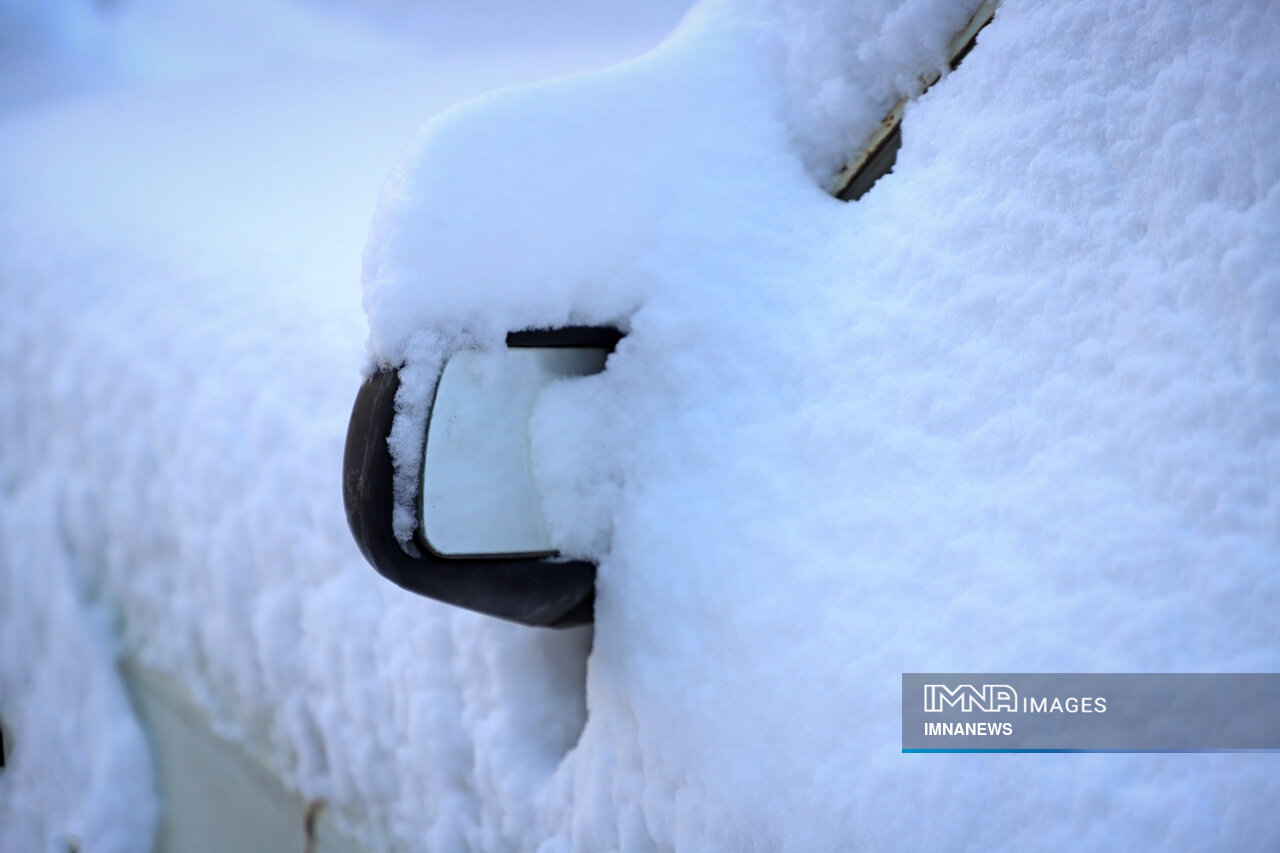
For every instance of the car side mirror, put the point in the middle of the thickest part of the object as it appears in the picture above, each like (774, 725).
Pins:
(481, 540)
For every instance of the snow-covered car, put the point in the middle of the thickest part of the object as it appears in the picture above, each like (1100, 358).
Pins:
(1014, 409)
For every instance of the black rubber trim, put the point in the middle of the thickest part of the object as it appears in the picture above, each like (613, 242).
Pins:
(883, 159)
(589, 337)
(539, 591)
(879, 164)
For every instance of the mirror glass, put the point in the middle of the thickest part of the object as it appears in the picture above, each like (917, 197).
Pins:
(478, 496)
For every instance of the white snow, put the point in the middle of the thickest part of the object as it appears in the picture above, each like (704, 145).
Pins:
(180, 343)
(78, 768)
(1017, 409)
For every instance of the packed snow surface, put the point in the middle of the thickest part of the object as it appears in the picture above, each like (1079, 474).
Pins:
(1017, 409)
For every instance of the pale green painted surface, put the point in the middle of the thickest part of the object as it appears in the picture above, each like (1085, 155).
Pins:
(215, 797)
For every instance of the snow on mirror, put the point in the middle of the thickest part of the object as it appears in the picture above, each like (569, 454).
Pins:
(478, 497)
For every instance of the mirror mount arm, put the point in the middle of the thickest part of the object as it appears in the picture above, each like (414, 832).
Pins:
(540, 592)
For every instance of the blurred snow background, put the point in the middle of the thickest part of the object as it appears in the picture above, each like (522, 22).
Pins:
(1017, 409)
(185, 191)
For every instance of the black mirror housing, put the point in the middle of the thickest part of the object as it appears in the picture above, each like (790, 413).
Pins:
(542, 591)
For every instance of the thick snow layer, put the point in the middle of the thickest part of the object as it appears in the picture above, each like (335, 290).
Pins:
(180, 342)
(1016, 409)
